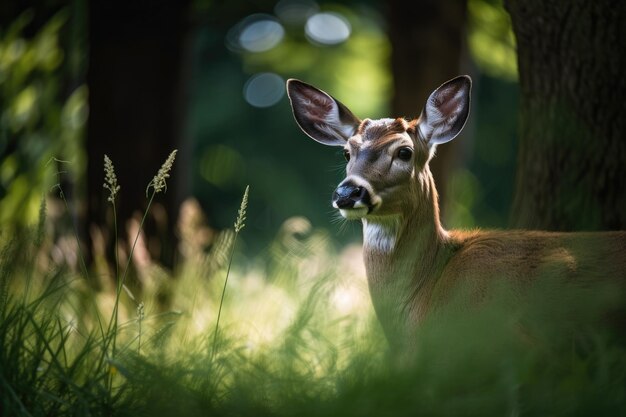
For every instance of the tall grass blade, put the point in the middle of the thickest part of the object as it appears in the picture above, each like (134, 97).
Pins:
(239, 225)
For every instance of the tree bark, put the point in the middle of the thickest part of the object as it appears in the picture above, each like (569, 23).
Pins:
(572, 149)
(428, 46)
(134, 81)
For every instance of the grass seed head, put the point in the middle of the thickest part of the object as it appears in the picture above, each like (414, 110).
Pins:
(158, 182)
(110, 179)
(241, 216)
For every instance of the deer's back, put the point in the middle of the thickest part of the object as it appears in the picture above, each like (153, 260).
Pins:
(480, 259)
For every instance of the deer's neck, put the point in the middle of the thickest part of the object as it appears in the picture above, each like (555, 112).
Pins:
(404, 254)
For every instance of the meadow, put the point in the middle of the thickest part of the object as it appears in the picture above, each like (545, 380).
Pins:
(288, 332)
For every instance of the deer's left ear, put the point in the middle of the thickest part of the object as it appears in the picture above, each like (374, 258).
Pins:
(446, 111)
(319, 115)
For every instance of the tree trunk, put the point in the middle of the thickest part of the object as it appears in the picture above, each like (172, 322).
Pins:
(572, 150)
(134, 81)
(428, 46)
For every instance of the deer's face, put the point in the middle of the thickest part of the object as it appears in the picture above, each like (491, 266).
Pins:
(385, 157)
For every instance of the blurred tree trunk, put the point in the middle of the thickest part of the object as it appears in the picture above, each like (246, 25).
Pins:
(572, 150)
(428, 45)
(134, 80)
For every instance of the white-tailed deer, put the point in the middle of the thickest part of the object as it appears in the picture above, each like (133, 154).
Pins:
(413, 264)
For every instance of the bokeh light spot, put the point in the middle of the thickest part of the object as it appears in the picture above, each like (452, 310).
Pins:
(262, 34)
(221, 165)
(327, 28)
(264, 89)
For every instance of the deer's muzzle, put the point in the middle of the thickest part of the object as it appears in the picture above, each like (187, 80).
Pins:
(350, 195)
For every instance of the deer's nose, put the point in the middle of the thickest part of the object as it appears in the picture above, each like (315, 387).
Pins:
(348, 194)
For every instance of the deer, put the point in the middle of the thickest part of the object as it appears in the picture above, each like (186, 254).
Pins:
(413, 265)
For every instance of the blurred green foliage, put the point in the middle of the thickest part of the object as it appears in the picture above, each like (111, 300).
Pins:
(41, 119)
(491, 39)
(480, 192)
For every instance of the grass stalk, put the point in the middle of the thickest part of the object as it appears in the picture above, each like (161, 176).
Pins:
(140, 315)
(239, 225)
(158, 184)
(118, 288)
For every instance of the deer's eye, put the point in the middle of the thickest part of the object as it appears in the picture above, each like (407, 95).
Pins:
(346, 154)
(405, 153)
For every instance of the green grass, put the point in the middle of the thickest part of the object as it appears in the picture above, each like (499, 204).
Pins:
(296, 337)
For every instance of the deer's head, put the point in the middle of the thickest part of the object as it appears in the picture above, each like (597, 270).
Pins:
(387, 158)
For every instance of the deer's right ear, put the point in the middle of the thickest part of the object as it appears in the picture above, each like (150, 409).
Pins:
(319, 115)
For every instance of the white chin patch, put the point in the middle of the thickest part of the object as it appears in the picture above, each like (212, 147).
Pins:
(354, 213)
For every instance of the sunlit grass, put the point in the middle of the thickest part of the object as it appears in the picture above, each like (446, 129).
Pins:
(278, 332)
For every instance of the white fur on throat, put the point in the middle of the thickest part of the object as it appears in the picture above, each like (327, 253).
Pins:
(381, 237)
